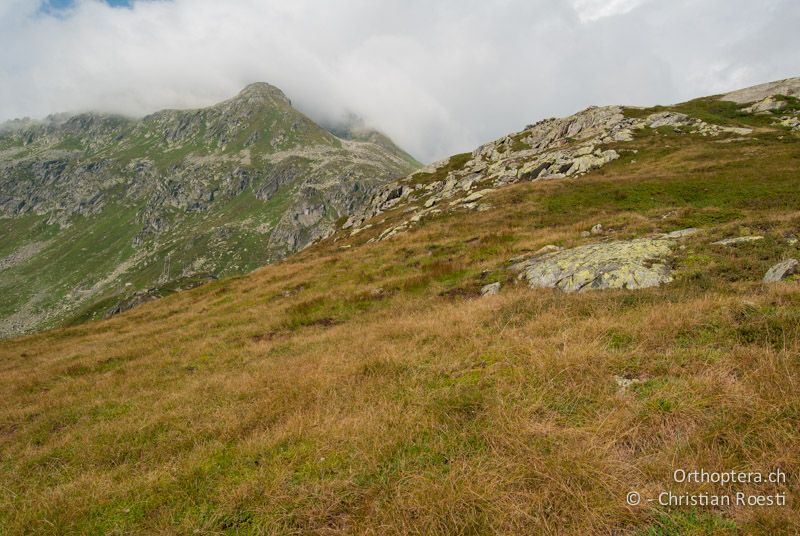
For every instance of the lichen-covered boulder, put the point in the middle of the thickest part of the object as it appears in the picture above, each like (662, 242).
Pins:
(631, 264)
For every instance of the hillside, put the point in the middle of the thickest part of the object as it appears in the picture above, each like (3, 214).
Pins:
(506, 342)
(99, 213)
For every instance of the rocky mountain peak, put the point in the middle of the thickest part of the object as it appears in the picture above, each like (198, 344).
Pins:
(263, 93)
(168, 200)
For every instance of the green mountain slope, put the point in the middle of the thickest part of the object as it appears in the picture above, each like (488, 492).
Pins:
(95, 209)
(373, 384)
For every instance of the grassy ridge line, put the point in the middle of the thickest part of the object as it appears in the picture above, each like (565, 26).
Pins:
(355, 391)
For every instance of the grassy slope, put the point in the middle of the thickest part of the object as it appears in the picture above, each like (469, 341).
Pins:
(363, 391)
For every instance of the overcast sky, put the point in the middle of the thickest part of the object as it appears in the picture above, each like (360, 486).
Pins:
(438, 76)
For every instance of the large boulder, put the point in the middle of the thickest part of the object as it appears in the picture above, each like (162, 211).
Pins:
(631, 264)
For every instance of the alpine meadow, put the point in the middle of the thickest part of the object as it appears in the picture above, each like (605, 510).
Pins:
(239, 319)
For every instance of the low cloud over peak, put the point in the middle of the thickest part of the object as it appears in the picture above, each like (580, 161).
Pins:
(438, 79)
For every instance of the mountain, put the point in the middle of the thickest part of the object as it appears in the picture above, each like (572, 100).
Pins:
(530, 338)
(100, 212)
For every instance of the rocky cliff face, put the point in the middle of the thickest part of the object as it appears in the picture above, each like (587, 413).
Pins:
(94, 207)
(550, 149)
(571, 147)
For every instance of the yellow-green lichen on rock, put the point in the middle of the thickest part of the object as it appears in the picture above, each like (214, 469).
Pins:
(631, 264)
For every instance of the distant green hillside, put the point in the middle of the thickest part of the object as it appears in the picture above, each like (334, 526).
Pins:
(95, 209)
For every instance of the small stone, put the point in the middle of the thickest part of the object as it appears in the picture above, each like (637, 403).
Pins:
(490, 289)
(623, 383)
(471, 198)
(597, 229)
(782, 270)
(681, 233)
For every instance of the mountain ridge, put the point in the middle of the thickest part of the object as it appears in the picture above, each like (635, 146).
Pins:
(250, 178)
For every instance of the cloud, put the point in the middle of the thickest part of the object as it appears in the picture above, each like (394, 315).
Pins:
(438, 77)
(591, 10)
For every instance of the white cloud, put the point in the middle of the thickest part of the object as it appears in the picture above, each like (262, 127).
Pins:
(438, 77)
(591, 10)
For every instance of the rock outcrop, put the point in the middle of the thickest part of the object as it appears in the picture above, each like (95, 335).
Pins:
(789, 87)
(631, 264)
(547, 150)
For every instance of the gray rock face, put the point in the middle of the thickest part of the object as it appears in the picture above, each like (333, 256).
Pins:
(633, 264)
(782, 270)
(789, 86)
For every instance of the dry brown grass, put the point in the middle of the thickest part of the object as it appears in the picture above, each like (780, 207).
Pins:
(354, 392)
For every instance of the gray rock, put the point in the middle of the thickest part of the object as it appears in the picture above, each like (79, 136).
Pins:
(668, 119)
(737, 240)
(490, 289)
(782, 270)
(471, 198)
(681, 233)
